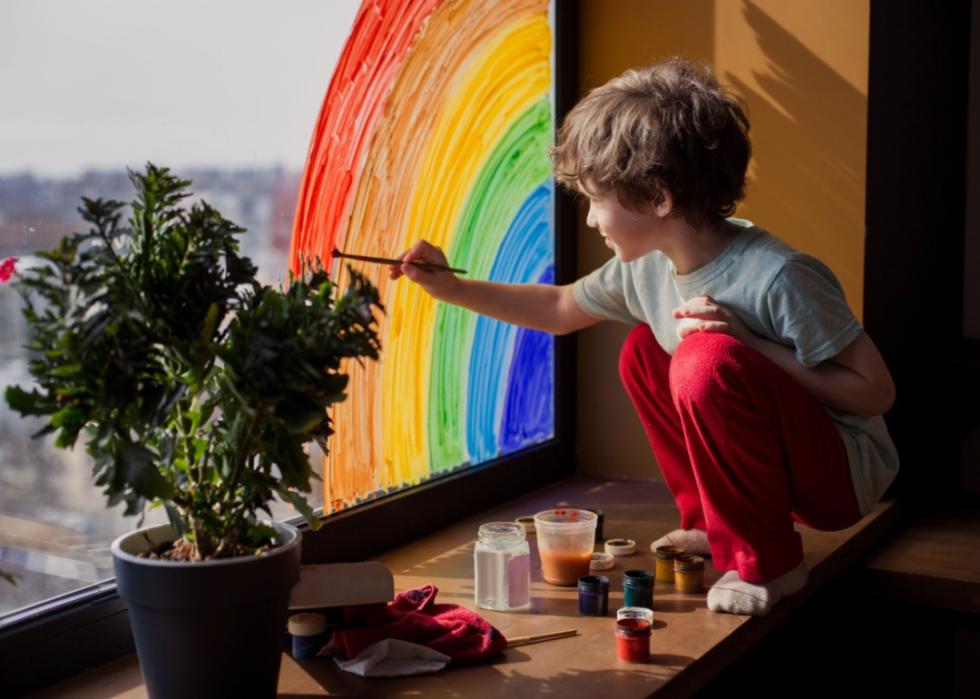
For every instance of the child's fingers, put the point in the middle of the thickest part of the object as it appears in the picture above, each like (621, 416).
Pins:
(422, 252)
(395, 271)
(704, 327)
(688, 311)
(417, 253)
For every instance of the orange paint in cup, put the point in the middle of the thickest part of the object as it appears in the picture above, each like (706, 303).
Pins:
(564, 568)
(566, 540)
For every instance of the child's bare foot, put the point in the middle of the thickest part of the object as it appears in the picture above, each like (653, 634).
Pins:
(733, 595)
(691, 540)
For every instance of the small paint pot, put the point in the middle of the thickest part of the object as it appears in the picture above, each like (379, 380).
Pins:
(620, 547)
(633, 626)
(638, 588)
(309, 634)
(665, 562)
(593, 595)
(601, 561)
(689, 574)
(527, 522)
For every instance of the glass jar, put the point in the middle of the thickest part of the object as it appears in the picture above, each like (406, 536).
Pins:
(502, 567)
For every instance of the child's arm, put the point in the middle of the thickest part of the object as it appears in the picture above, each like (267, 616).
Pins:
(538, 306)
(856, 380)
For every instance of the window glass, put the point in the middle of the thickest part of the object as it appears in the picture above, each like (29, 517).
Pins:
(286, 119)
(223, 93)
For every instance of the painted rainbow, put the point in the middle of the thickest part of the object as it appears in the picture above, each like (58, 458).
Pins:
(436, 125)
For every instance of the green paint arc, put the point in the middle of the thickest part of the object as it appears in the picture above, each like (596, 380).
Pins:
(518, 163)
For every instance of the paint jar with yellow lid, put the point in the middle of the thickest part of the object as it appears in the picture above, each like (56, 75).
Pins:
(665, 562)
(689, 574)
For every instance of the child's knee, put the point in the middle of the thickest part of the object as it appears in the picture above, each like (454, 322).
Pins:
(699, 361)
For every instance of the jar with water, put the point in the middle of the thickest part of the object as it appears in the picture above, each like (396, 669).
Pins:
(502, 565)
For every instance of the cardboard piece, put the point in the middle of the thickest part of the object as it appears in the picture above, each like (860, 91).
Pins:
(342, 585)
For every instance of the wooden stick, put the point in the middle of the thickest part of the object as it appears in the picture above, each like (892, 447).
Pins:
(535, 638)
(427, 266)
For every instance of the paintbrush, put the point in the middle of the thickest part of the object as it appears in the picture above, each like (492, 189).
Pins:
(427, 266)
(536, 638)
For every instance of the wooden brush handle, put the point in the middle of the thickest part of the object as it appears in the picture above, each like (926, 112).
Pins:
(535, 638)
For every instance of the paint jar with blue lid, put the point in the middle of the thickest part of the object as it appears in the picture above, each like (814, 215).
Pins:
(593, 595)
(638, 588)
(308, 631)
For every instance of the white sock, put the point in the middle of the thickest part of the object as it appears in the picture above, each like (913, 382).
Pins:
(736, 596)
(691, 540)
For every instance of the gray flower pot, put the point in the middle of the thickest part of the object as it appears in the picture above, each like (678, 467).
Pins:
(210, 628)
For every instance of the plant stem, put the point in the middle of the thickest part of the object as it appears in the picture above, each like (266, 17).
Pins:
(240, 456)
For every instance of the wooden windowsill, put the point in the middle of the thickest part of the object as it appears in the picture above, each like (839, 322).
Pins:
(690, 643)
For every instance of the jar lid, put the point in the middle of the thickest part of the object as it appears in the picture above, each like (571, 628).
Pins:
(620, 547)
(634, 613)
(688, 562)
(307, 624)
(501, 531)
(593, 583)
(669, 552)
(637, 578)
(601, 561)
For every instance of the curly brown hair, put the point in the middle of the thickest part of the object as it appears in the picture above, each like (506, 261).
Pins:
(666, 125)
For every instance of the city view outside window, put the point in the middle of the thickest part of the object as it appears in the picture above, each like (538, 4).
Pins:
(225, 94)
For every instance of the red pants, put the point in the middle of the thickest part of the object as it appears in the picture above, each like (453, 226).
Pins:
(743, 448)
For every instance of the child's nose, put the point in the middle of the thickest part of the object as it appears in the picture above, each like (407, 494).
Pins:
(590, 219)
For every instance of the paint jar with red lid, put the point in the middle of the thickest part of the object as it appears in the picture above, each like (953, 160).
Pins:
(633, 626)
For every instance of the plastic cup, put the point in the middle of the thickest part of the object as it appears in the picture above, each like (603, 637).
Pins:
(566, 539)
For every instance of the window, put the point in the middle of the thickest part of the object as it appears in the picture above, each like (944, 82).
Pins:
(227, 96)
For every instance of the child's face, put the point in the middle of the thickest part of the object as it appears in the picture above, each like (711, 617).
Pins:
(630, 234)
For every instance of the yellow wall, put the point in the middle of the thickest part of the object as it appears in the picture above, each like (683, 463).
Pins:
(802, 67)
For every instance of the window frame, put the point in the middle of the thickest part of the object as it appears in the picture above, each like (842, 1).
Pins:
(63, 636)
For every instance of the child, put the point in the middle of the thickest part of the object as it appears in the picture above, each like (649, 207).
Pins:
(760, 393)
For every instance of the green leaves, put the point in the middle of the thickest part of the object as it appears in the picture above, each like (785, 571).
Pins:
(33, 403)
(141, 473)
(196, 385)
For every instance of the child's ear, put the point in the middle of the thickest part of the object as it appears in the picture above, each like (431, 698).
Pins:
(663, 204)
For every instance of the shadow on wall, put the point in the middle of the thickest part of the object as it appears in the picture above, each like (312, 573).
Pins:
(815, 187)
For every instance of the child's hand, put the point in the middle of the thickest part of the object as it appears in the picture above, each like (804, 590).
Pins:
(717, 318)
(439, 284)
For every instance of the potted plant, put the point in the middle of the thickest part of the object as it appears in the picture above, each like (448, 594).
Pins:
(197, 388)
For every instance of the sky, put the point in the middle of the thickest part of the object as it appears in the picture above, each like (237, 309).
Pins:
(113, 83)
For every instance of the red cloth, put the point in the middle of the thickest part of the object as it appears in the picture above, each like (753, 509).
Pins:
(413, 616)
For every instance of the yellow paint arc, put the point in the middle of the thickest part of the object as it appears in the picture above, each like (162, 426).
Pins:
(474, 69)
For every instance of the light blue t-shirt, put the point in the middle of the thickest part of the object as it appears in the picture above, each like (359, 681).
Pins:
(779, 293)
